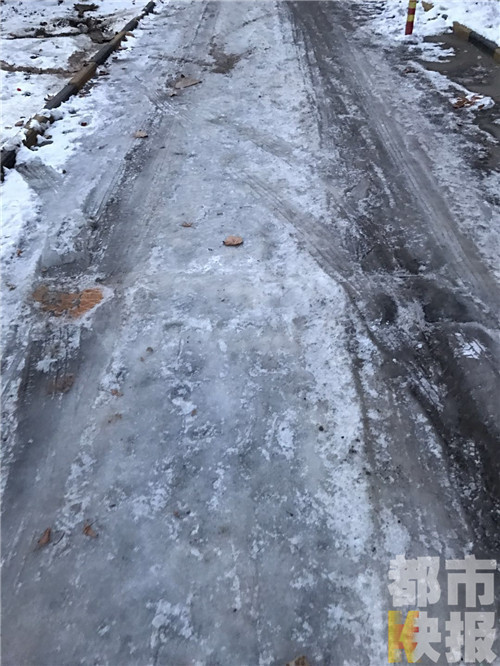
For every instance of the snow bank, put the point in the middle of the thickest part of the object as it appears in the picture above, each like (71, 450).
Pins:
(23, 16)
(19, 207)
(483, 16)
(45, 43)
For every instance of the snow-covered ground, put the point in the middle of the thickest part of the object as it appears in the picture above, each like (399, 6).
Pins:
(23, 227)
(23, 93)
(483, 16)
(43, 44)
(255, 431)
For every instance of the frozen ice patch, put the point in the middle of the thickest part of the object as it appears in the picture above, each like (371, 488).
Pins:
(469, 348)
(170, 620)
(281, 436)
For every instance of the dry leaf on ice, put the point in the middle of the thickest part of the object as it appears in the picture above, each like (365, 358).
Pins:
(45, 538)
(88, 531)
(233, 240)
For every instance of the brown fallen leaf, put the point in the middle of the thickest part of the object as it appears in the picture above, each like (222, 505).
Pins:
(193, 412)
(459, 102)
(19, 123)
(45, 538)
(19, 252)
(89, 531)
(140, 134)
(116, 393)
(465, 101)
(150, 350)
(233, 240)
(187, 224)
(185, 82)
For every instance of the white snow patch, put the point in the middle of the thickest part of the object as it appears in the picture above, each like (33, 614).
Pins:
(469, 348)
(19, 209)
(173, 617)
(284, 435)
(396, 536)
(483, 16)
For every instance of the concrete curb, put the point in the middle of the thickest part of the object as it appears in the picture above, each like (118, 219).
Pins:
(478, 40)
(37, 125)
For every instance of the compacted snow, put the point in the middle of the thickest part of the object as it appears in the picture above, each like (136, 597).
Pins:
(230, 444)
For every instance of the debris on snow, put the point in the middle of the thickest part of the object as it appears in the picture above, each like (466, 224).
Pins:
(89, 531)
(474, 101)
(233, 240)
(60, 303)
(81, 8)
(45, 538)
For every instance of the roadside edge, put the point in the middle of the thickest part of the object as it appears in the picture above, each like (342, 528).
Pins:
(37, 125)
(478, 40)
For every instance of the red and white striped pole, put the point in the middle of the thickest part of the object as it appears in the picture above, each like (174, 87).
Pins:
(410, 19)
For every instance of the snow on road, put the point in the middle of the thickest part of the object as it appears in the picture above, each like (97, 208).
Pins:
(253, 432)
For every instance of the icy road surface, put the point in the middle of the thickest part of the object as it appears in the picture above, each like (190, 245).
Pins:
(254, 431)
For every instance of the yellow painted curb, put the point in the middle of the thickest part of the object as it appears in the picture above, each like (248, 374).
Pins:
(461, 30)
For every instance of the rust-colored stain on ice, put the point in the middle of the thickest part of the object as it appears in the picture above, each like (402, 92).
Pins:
(75, 304)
